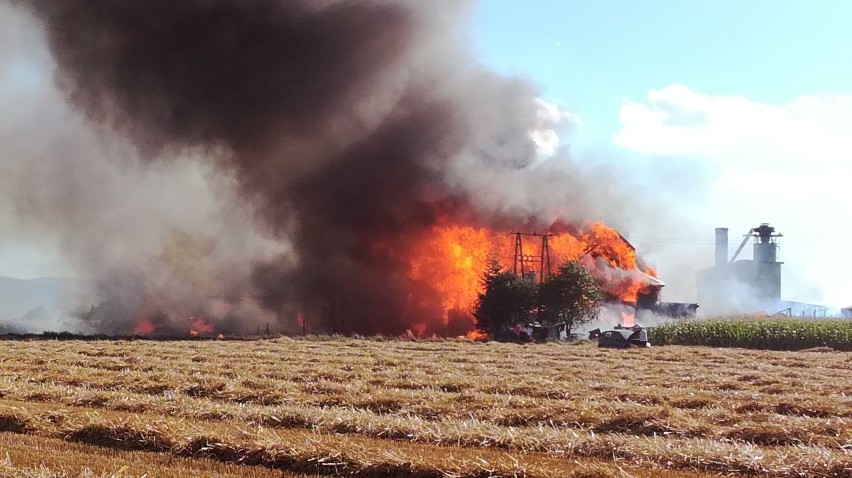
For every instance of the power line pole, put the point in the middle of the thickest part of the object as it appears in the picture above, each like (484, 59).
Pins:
(542, 260)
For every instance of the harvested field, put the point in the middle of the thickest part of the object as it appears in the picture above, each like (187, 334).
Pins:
(371, 408)
(36, 457)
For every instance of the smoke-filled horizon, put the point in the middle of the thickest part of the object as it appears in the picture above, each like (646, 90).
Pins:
(245, 161)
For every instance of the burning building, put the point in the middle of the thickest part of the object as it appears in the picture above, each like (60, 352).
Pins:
(453, 259)
(630, 285)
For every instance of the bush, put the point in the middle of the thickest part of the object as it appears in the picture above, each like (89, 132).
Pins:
(505, 300)
(571, 296)
(752, 333)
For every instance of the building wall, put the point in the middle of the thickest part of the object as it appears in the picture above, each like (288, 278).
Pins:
(742, 287)
(766, 280)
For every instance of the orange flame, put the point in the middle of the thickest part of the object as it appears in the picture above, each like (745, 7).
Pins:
(476, 335)
(201, 326)
(450, 259)
(144, 326)
(611, 246)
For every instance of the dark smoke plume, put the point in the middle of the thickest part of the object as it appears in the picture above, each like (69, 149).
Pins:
(346, 126)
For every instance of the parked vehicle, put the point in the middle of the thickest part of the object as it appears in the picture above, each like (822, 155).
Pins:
(622, 338)
(615, 339)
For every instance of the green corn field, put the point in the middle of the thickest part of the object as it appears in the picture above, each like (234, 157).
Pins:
(757, 333)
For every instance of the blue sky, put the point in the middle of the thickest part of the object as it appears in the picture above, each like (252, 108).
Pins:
(589, 55)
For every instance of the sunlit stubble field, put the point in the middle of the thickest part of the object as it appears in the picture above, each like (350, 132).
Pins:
(370, 408)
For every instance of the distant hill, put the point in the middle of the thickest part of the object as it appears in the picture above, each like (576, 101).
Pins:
(39, 304)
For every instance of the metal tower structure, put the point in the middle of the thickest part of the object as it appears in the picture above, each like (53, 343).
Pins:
(521, 260)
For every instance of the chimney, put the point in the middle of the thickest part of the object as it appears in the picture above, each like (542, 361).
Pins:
(721, 246)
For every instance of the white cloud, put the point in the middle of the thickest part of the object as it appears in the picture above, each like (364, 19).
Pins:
(677, 120)
(788, 164)
(550, 120)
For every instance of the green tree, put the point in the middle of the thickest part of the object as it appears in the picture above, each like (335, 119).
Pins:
(504, 301)
(571, 296)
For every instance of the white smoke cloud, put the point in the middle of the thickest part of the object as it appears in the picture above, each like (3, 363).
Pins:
(551, 119)
(74, 201)
(785, 164)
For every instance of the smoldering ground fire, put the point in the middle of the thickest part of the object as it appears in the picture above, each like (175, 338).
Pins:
(359, 135)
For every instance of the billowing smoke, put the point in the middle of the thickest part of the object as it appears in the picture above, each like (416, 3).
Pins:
(250, 160)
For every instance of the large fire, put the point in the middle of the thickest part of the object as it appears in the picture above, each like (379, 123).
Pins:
(452, 258)
(444, 268)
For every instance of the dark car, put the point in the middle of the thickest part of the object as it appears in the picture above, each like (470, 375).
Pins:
(615, 339)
